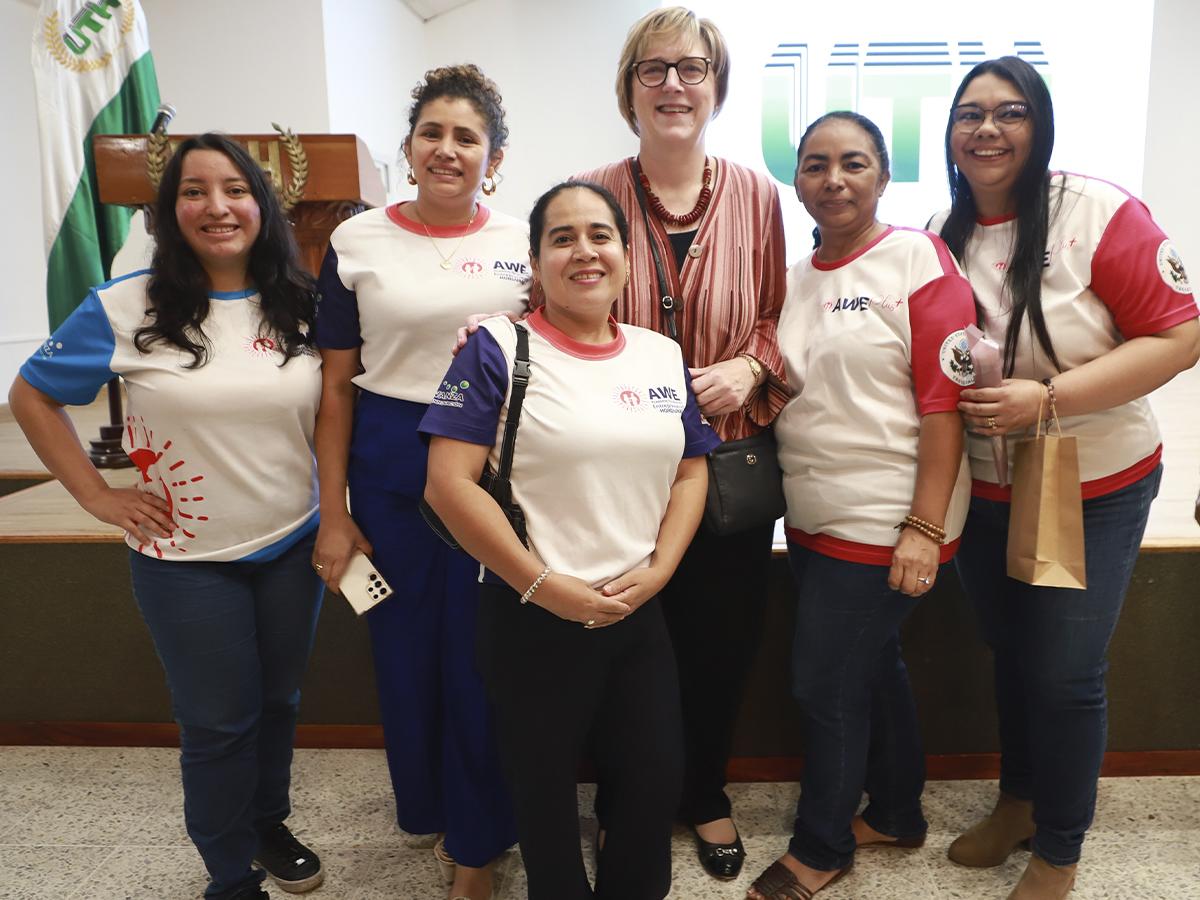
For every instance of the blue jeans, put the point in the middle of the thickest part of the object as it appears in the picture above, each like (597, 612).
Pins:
(856, 706)
(234, 639)
(1049, 646)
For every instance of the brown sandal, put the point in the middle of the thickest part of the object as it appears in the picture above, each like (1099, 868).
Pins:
(779, 882)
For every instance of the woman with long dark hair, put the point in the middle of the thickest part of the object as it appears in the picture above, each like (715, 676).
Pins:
(876, 479)
(1092, 307)
(212, 343)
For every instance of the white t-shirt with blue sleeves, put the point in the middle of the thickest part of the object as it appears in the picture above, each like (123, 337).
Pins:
(228, 445)
(602, 431)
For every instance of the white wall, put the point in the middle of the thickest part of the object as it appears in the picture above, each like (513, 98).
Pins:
(1171, 184)
(310, 65)
(238, 66)
(372, 60)
(23, 320)
(555, 64)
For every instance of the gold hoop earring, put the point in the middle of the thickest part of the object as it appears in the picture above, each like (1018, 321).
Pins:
(412, 179)
(489, 189)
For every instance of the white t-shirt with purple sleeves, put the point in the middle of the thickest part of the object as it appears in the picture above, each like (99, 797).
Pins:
(1110, 275)
(384, 289)
(871, 343)
(603, 428)
(228, 445)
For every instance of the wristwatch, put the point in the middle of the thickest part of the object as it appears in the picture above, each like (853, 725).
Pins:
(756, 368)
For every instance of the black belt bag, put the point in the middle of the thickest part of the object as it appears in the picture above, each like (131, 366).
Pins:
(745, 483)
(497, 483)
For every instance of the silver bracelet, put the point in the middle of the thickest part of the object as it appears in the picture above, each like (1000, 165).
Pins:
(528, 595)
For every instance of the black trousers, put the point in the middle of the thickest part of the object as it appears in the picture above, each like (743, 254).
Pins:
(558, 689)
(714, 607)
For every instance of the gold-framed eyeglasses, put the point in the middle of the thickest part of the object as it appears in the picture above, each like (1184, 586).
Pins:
(653, 72)
(968, 117)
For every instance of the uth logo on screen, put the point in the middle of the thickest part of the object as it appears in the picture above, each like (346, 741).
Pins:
(902, 73)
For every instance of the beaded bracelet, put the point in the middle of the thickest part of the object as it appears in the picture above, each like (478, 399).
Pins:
(931, 531)
(528, 595)
(1050, 394)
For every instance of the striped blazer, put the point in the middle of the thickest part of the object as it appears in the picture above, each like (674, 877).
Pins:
(731, 292)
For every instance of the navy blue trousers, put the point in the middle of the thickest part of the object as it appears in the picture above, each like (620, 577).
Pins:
(437, 722)
(856, 705)
(1050, 650)
(234, 639)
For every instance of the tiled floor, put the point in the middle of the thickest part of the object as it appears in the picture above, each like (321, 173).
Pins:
(95, 824)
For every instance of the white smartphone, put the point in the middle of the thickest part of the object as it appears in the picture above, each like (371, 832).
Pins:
(362, 585)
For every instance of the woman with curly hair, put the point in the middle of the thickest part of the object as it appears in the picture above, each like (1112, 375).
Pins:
(212, 344)
(395, 285)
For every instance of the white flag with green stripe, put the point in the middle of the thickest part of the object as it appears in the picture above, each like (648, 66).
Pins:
(94, 75)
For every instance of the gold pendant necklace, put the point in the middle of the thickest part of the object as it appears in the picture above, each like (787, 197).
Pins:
(447, 261)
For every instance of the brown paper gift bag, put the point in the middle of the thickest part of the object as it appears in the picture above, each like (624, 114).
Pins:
(1045, 525)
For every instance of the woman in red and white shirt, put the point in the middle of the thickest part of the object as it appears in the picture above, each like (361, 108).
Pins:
(1092, 307)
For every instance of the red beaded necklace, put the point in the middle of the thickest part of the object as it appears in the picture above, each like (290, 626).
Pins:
(668, 217)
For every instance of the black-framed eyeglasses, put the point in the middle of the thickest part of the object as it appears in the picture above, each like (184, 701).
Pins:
(968, 117)
(653, 72)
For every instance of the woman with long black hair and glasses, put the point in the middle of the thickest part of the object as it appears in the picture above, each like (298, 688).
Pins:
(1092, 307)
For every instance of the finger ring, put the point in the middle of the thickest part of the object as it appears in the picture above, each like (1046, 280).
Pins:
(318, 566)
(590, 623)
(991, 422)
(924, 581)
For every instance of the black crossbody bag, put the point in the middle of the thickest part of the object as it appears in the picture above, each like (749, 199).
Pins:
(745, 483)
(497, 483)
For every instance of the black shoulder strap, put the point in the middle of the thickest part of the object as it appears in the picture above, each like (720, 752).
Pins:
(664, 288)
(520, 380)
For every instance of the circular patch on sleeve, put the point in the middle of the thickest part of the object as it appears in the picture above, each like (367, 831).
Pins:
(1170, 267)
(955, 359)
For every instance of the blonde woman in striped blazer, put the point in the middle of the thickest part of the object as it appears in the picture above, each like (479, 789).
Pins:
(719, 234)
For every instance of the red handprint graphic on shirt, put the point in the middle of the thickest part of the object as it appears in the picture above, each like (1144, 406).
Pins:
(176, 493)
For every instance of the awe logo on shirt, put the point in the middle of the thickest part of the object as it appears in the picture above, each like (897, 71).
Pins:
(665, 399)
(511, 270)
(628, 398)
(889, 302)
(470, 268)
(1170, 267)
(955, 359)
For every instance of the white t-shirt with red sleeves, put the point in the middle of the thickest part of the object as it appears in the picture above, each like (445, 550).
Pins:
(228, 445)
(602, 431)
(1110, 275)
(871, 343)
(384, 289)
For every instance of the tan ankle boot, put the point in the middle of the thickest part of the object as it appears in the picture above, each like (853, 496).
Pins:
(990, 842)
(1042, 881)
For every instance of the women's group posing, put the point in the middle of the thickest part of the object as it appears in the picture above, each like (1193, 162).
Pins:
(615, 626)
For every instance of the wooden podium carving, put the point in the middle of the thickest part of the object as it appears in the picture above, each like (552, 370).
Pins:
(342, 179)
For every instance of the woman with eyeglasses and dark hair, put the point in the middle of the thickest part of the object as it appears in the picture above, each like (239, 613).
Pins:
(877, 488)
(212, 343)
(718, 232)
(1092, 307)
(571, 639)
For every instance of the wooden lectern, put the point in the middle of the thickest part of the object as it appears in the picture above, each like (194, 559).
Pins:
(341, 181)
